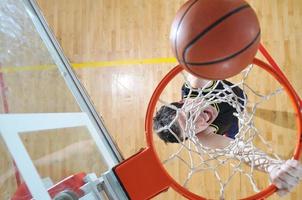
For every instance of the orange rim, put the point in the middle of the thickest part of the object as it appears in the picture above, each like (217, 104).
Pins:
(275, 71)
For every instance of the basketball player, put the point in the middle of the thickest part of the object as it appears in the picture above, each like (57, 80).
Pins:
(216, 127)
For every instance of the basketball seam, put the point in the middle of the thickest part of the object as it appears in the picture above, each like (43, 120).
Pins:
(229, 57)
(178, 26)
(210, 28)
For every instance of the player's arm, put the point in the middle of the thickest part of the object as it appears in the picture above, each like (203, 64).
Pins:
(196, 82)
(285, 175)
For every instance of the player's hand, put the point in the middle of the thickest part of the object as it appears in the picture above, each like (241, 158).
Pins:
(285, 176)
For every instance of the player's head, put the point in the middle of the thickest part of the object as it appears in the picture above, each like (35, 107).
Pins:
(173, 125)
(163, 118)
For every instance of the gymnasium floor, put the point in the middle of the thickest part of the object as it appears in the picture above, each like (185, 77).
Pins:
(120, 51)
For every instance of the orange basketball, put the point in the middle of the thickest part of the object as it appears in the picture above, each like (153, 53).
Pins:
(215, 39)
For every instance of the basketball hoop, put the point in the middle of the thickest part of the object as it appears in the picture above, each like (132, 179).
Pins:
(143, 175)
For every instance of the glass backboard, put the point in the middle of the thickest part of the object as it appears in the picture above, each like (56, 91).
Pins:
(50, 131)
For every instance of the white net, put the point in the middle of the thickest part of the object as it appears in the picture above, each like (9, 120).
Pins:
(240, 152)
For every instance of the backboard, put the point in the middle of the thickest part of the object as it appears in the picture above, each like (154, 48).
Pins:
(50, 131)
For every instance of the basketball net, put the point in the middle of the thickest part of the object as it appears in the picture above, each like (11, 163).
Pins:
(240, 151)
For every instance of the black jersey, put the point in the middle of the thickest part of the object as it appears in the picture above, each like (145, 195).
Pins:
(226, 122)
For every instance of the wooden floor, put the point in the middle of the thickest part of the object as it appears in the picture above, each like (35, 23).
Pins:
(115, 30)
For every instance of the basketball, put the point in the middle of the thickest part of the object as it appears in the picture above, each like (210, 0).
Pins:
(215, 39)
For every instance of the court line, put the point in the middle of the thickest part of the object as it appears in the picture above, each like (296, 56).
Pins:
(116, 63)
